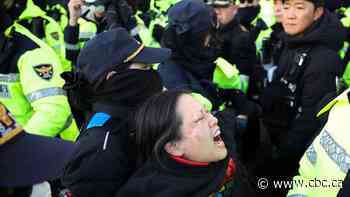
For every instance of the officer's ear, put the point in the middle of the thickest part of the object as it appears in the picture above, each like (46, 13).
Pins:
(318, 13)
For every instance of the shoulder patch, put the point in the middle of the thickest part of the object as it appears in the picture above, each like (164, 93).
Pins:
(44, 71)
(98, 120)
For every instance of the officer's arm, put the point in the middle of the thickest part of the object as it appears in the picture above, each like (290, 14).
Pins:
(71, 32)
(71, 39)
(42, 86)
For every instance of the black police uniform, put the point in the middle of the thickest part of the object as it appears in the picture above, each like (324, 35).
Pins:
(297, 126)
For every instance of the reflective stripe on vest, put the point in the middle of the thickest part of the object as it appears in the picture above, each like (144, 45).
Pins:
(39, 94)
(87, 35)
(72, 47)
(12, 77)
(335, 151)
(328, 155)
(311, 154)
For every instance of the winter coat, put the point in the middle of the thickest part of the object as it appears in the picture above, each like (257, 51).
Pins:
(324, 38)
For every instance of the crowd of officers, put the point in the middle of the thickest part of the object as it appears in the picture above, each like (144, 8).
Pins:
(275, 73)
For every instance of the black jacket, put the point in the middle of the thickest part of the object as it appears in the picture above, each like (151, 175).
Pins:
(101, 163)
(237, 47)
(324, 38)
(173, 179)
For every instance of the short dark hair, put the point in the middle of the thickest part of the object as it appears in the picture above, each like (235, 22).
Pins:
(317, 3)
(157, 123)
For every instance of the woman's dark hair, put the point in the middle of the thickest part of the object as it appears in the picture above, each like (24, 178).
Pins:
(156, 124)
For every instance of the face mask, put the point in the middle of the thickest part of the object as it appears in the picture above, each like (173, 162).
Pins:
(130, 87)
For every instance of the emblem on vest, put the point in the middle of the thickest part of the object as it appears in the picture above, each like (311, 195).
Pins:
(44, 71)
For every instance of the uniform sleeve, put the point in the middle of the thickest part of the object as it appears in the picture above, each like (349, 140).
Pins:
(42, 86)
(305, 176)
(71, 39)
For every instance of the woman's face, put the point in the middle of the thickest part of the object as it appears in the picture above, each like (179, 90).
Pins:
(200, 134)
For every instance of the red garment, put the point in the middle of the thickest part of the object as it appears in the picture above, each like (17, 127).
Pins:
(230, 170)
(188, 162)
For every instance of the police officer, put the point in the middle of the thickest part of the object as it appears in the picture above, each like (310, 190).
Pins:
(307, 70)
(237, 47)
(31, 87)
(114, 77)
(326, 161)
(34, 17)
